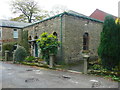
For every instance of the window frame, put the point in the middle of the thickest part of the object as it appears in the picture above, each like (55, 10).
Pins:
(86, 41)
(15, 33)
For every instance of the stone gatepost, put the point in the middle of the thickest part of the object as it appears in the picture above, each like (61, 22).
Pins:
(51, 62)
(6, 55)
(85, 65)
(14, 56)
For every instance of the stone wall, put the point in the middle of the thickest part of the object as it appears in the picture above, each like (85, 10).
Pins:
(7, 35)
(50, 26)
(75, 27)
(72, 29)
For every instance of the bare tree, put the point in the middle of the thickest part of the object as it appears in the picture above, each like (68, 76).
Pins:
(57, 9)
(28, 8)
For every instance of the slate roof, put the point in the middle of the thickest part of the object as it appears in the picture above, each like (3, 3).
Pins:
(67, 13)
(100, 15)
(20, 25)
(12, 24)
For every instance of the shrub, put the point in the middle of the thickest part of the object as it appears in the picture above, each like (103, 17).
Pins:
(9, 47)
(30, 58)
(20, 54)
(24, 41)
(109, 48)
(48, 44)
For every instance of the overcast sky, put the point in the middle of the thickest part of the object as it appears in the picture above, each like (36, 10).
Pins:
(85, 7)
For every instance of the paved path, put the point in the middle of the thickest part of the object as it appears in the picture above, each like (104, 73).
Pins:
(20, 76)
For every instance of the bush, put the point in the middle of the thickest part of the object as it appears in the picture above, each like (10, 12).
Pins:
(9, 47)
(48, 44)
(30, 58)
(109, 48)
(20, 54)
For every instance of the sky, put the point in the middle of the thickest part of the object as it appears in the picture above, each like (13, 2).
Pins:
(85, 7)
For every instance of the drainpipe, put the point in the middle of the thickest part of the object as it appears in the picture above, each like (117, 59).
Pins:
(61, 37)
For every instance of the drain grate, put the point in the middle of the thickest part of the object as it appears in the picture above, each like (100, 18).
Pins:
(95, 83)
(31, 80)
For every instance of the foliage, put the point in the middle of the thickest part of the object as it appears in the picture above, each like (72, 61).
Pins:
(20, 54)
(20, 18)
(28, 10)
(109, 48)
(48, 45)
(96, 68)
(24, 40)
(9, 47)
(30, 58)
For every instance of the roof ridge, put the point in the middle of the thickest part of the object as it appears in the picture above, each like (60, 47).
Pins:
(65, 13)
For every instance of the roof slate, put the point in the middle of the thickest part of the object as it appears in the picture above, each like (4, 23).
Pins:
(67, 13)
(12, 24)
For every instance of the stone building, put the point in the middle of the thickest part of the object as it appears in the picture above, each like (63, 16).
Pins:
(10, 31)
(77, 34)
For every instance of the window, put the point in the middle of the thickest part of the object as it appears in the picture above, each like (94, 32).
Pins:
(15, 47)
(15, 33)
(36, 37)
(55, 34)
(85, 41)
(29, 38)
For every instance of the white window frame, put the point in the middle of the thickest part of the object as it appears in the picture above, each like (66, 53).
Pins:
(15, 33)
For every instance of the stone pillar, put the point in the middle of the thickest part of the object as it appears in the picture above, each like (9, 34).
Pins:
(51, 62)
(14, 56)
(6, 55)
(85, 57)
(85, 66)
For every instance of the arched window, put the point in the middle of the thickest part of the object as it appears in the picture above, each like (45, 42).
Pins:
(55, 34)
(29, 38)
(86, 41)
(36, 37)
